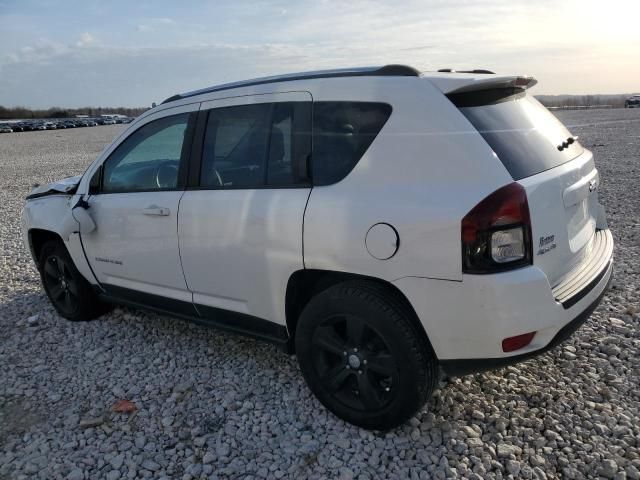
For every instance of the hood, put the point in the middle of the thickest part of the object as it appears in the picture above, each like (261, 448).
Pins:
(66, 186)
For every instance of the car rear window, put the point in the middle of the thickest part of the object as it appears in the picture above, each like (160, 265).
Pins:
(342, 133)
(521, 131)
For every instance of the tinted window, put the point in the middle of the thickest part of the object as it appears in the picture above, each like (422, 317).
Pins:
(342, 132)
(148, 159)
(281, 145)
(255, 145)
(235, 146)
(522, 132)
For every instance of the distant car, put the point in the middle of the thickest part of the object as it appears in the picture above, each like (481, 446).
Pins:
(50, 126)
(27, 127)
(60, 125)
(5, 129)
(109, 121)
(17, 128)
(92, 124)
(40, 126)
(127, 120)
(632, 102)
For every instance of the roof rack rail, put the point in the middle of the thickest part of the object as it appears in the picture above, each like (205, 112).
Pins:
(384, 71)
(477, 70)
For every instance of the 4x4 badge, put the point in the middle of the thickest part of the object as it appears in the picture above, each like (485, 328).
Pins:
(593, 185)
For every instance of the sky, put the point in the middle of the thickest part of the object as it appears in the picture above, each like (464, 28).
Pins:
(74, 53)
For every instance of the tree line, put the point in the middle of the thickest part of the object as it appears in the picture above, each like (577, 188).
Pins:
(557, 101)
(568, 101)
(57, 112)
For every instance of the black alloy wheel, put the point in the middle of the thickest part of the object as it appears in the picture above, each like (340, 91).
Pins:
(364, 354)
(73, 297)
(354, 362)
(61, 284)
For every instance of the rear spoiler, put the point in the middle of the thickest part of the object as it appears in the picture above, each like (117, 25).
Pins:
(448, 83)
(479, 91)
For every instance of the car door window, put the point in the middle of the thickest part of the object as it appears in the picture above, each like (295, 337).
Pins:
(235, 146)
(256, 145)
(280, 171)
(149, 159)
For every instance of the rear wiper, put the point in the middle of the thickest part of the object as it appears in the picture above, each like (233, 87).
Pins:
(567, 142)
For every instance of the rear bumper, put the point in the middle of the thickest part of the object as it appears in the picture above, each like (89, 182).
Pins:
(467, 321)
(585, 276)
(469, 366)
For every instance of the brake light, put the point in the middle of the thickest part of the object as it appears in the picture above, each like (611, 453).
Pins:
(524, 82)
(496, 233)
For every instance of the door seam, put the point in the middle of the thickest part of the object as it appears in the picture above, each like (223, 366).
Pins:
(304, 219)
(180, 249)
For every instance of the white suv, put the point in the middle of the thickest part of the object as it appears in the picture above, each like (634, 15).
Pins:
(384, 225)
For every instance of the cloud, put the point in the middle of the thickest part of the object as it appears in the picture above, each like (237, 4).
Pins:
(151, 56)
(135, 76)
(155, 23)
(86, 39)
(41, 51)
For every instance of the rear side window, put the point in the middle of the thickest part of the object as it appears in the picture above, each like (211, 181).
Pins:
(257, 145)
(342, 132)
(235, 146)
(521, 131)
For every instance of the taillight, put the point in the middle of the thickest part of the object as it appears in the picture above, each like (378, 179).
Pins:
(496, 233)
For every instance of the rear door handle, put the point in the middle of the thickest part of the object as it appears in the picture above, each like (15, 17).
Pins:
(154, 210)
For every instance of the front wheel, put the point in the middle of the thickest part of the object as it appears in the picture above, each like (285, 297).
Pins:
(69, 292)
(363, 356)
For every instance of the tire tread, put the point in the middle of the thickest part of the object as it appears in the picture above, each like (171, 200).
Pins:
(90, 305)
(390, 303)
(391, 307)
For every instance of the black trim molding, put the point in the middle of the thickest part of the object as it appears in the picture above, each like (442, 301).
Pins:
(243, 324)
(585, 291)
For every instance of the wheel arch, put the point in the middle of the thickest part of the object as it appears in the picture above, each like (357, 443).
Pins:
(303, 285)
(38, 237)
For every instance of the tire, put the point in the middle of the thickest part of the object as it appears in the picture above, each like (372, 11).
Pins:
(69, 292)
(363, 356)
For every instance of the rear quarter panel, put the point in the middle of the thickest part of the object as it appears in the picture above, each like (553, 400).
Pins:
(424, 171)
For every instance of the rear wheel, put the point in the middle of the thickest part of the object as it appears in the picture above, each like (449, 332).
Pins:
(69, 292)
(363, 356)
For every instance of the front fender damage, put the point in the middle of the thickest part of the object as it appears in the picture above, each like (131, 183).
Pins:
(67, 186)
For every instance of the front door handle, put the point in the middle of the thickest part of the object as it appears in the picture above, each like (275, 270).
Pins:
(155, 210)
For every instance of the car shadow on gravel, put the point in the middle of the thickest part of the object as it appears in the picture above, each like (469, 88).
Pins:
(17, 416)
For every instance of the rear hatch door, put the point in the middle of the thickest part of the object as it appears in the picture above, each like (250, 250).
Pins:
(558, 174)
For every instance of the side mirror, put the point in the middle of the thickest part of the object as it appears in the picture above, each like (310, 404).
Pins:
(77, 219)
(95, 182)
(85, 222)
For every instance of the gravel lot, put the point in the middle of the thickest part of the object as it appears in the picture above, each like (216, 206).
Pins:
(215, 405)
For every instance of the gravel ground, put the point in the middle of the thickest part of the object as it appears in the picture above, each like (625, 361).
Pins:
(214, 405)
